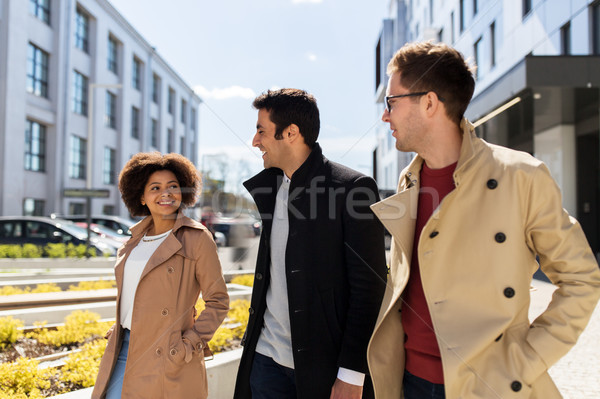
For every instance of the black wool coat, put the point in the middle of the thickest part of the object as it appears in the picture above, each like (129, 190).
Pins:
(335, 270)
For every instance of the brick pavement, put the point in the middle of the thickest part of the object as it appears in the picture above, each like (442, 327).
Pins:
(577, 374)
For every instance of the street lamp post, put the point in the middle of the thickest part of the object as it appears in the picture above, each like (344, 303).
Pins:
(90, 151)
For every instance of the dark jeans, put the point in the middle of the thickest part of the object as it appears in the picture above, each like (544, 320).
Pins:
(269, 380)
(418, 388)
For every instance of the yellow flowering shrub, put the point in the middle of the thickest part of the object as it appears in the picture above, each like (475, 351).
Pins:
(23, 379)
(81, 368)
(10, 290)
(93, 285)
(9, 331)
(47, 287)
(243, 279)
(79, 326)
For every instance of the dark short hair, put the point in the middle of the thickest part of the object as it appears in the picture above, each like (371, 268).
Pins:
(437, 67)
(136, 172)
(287, 106)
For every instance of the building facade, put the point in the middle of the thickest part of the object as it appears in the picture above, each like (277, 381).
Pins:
(538, 83)
(81, 92)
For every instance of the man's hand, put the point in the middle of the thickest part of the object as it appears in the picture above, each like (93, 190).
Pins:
(343, 390)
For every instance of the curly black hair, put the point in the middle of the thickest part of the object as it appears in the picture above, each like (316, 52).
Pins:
(137, 171)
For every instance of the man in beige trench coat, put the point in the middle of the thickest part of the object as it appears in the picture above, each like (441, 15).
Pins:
(468, 222)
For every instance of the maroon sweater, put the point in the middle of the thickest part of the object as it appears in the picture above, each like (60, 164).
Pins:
(422, 351)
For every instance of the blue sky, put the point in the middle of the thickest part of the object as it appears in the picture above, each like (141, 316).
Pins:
(231, 51)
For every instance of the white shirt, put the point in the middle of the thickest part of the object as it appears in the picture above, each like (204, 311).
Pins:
(134, 266)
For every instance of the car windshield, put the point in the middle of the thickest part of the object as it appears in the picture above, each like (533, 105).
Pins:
(74, 230)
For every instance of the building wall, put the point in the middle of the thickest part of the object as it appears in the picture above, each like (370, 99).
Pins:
(18, 28)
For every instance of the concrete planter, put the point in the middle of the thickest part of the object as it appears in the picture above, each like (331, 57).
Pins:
(221, 373)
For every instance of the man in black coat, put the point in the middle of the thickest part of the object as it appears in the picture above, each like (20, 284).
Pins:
(321, 271)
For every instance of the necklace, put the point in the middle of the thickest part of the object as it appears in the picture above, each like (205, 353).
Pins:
(155, 238)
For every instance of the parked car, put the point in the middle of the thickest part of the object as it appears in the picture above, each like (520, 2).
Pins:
(41, 231)
(119, 224)
(104, 232)
(236, 230)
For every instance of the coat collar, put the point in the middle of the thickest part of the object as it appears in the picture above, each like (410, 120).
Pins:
(170, 246)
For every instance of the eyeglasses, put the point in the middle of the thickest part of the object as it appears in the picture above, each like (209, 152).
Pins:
(388, 107)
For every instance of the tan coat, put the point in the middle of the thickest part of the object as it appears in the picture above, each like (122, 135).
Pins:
(476, 270)
(165, 358)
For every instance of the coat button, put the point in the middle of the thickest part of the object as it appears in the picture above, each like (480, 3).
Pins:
(433, 234)
(492, 184)
(199, 346)
(173, 352)
(509, 292)
(516, 386)
(170, 269)
(251, 310)
(165, 312)
(500, 237)
(158, 351)
(259, 276)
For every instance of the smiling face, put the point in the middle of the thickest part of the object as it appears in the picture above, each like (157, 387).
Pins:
(275, 153)
(404, 117)
(162, 194)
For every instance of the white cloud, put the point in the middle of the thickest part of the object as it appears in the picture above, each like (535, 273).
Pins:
(306, 1)
(311, 57)
(225, 93)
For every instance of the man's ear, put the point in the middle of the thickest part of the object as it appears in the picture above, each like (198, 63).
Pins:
(293, 132)
(431, 103)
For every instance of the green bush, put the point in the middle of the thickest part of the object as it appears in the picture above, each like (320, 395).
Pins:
(31, 251)
(9, 331)
(51, 250)
(243, 279)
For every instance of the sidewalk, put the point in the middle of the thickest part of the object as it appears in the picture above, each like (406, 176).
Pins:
(577, 375)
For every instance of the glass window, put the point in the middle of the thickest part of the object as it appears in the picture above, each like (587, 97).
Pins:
(493, 44)
(76, 208)
(596, 28)
(82, 30)
(109, 169)
(182, 145)
(171, 101)
(35, 146)
(33, 207)
(110, 115)
(113, 46)
(135, 122)
(526, 7)
(193, 118)
(40, 9)
(80, 92)
(183, 110)
(477, 51)
(10, 229)
(155, 88)
(37, 71)
(565, 39)
(169, 140)
(78, 155)
(136, 75)
(475, 7)
(461, 15)
(154, 131)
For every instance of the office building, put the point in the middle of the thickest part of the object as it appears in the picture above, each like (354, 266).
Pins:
(538, 80)
(81, 91)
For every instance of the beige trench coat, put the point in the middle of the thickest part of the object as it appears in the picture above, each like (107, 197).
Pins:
(477, 256)
(165, 358)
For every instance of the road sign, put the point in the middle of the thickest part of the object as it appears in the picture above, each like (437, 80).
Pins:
(85, 192)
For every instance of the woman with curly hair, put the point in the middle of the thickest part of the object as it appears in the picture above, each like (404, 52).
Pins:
(156, 348)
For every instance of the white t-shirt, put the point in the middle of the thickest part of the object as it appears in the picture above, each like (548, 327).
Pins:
(134, 266)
